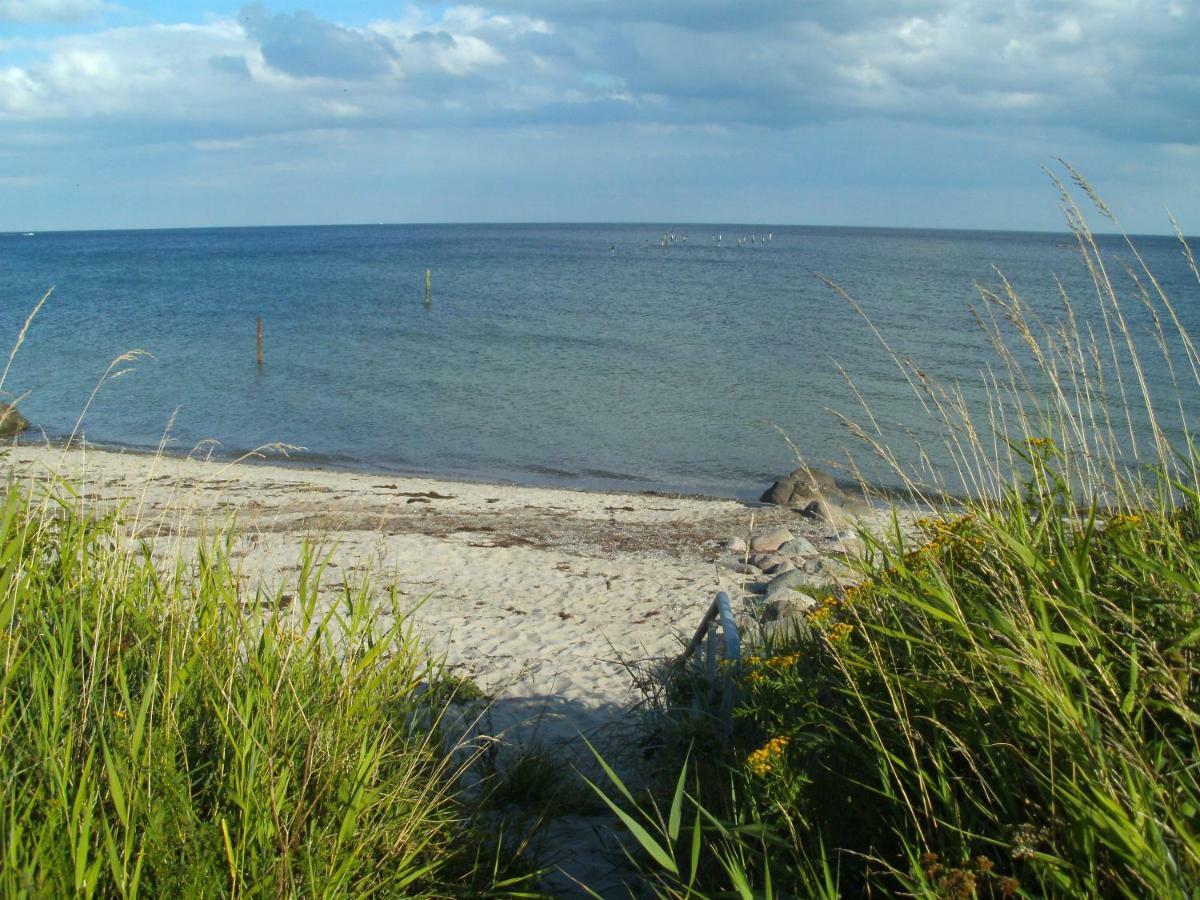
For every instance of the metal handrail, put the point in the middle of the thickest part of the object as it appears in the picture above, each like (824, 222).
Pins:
(719, 615)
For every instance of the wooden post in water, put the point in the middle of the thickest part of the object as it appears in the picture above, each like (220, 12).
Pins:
(260, 342)
(426, 287)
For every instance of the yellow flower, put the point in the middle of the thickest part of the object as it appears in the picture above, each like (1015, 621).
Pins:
(783, 662)
(1120, 520)
(840, 631)
(762, 760)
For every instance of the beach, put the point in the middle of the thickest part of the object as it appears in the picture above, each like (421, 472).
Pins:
(553, 602)
(530, 592)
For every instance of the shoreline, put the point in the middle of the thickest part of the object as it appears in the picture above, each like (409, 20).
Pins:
(306, 460)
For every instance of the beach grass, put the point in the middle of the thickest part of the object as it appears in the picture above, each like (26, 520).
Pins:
(1006, 703)
(166, 729)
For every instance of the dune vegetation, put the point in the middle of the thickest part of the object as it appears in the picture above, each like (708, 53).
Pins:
(1005, 703)
(165, 730)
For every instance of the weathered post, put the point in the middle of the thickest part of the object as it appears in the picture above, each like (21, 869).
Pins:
(427, 287)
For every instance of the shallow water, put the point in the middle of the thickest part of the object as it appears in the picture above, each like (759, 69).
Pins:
(580, 355)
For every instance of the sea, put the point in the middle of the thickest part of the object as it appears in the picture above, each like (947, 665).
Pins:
(669, 357)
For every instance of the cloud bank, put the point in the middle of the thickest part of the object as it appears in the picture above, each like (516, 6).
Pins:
(1119, 73)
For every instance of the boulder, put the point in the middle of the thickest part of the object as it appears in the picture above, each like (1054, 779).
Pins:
(770, 541)
(736, 565)
(736, 545)
(765, 561)
(798, 546)
(784, 565)
(11, 421)
(847, 544)
(782, 585)
(791, 606)
(805, 483)
(788, 630)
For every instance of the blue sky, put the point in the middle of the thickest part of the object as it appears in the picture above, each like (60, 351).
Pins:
(934, 113)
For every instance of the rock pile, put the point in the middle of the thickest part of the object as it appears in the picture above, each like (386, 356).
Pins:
(11, 421)
(813, 493)
(783, 570)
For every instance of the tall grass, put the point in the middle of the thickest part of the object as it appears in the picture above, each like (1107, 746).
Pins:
(166, 731)
(1008, 702)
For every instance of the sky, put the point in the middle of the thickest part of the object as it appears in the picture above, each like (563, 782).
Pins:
(909, 113)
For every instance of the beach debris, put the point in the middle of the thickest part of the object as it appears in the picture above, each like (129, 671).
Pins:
(11, 421)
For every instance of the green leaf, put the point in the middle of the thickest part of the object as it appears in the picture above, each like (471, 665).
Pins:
(651, 846)
(676, 812)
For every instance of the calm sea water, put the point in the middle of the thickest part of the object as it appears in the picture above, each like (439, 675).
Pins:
(582, 355)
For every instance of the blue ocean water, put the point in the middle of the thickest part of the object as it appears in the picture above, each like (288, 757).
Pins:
(580, 355)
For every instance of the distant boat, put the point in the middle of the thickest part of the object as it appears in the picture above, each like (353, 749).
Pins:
(29, 234)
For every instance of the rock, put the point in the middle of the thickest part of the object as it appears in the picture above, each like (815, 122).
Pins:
(786, 631)
(770, 541)
(736, 565)
(828, 569)
(736, 545)
(784, 565)
(792, 606)
(821, 509)
(765, 561)
(804, 482)
(782, 585)
(11, 421)
(847, 546)
(798, 546)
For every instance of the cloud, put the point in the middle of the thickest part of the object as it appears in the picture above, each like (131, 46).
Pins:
(50, 10)
(304, 46)
(1121, 71)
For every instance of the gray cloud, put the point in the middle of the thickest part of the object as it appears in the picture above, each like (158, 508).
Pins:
(231, 65)
(302, 45)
